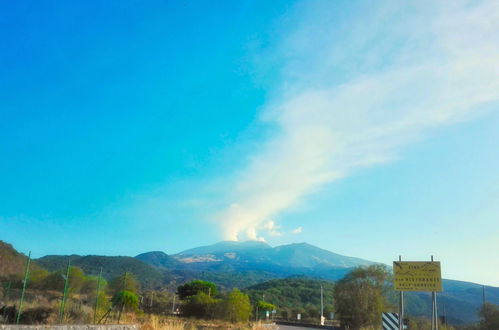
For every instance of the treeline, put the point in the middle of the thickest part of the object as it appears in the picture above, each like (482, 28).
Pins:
(296, 295)
(201, 299)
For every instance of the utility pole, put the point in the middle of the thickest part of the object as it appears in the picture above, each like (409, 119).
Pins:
(322, 306)
(322, 302)
(26, 273)
(434, 314)
(483, 295)
(173, 305)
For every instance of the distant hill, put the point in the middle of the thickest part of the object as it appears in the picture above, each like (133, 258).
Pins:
(148, 276)
(158, 259)
(12, 263)
(300, 255)
(459, 303)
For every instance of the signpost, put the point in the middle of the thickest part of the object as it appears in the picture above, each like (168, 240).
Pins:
(418, 276)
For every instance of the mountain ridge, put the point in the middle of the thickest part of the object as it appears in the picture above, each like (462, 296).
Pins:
(294, 255)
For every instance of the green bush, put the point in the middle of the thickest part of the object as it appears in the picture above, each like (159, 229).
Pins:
(126, 300)
(201, 305)
(237, 307)
(194, 287)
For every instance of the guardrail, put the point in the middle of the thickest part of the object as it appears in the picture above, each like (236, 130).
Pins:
(308, 325)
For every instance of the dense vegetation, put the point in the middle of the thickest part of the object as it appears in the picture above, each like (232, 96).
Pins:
(361, 298)
(148, 276)
(201, 299)
(295, 296)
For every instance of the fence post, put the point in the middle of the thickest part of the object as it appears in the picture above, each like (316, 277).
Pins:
(97, 296)
(26, 272)
(64, 294)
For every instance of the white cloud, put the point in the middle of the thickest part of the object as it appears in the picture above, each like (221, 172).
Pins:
(272, 228)
(297, 230)
(445, 71)
(269, 225)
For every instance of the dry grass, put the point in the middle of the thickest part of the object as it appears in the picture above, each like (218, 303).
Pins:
(154, 322)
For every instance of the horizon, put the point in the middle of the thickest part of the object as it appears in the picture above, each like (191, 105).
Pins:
(34, 257)
(369, 130)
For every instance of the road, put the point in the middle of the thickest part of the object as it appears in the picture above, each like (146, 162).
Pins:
(292, 327)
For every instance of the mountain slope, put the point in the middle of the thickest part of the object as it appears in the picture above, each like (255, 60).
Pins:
(227, 246)
(13, 263)
(306, 255)
(148, 276)
(293, 293)
(285, 260)
(158, 259)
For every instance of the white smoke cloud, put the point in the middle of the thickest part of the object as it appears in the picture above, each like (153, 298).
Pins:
(272, 228)
(297, 230)
(445, 71)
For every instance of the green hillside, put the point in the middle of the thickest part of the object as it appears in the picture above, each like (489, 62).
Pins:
(292, 292)
(295, 295)
(302, 295)
(158, 259)
(148, 276)
(11, 262)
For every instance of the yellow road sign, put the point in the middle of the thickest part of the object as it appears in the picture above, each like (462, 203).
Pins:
(417, 276)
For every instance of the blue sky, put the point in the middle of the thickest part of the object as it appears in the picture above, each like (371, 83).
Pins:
(369, 130)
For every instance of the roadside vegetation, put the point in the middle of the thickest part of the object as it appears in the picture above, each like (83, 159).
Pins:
(70, 296)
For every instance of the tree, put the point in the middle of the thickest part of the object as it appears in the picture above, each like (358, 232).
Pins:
(423, 323)
(490, 317)
(194, 287)
(37, 277)
(157, 302)
(76, 279)
(359, 296)
(237, 307)
(55, 280)
(263, 307)
(103, 304)
(126, 300)
(125, 282)
(201, 305)
(90, 286)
